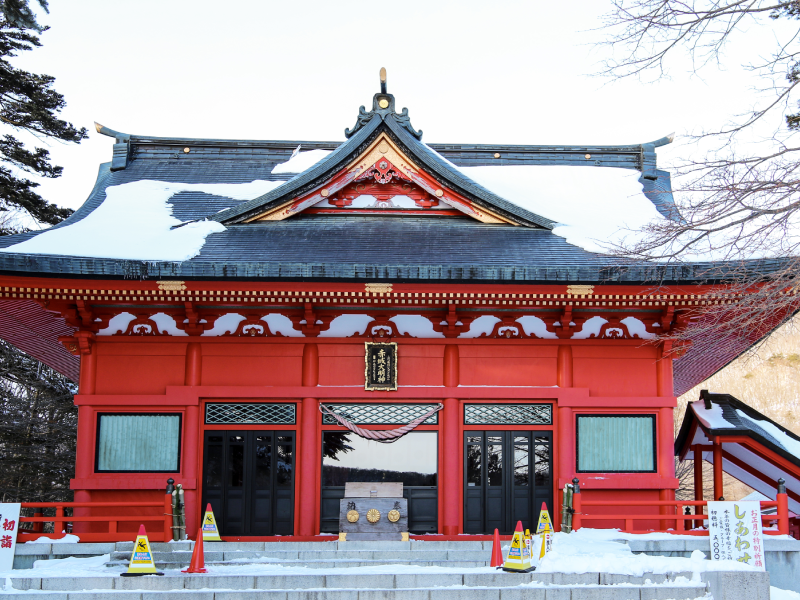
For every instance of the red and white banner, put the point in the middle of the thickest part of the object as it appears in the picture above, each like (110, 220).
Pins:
(9, 524)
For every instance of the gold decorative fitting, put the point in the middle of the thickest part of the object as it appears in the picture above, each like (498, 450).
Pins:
(383, 147)
(377, 288)
(497, 155)
(352, 516)
(588, 156)
(403, 536)
(439, 193)
(172, 286)
(342, 537)
(186, 150)
(373, 516)
(580, 290)
(393, 516)
(324, 193)
(383, 103)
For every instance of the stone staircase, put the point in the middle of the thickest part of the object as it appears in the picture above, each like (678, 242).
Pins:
(319, 555)
(365, 571)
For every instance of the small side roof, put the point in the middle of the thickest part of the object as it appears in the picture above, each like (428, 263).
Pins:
(755, 449)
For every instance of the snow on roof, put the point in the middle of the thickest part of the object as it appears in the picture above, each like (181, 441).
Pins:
(302, 161)
(711, 418)
(595, 206)
(791, 445)
(135, 223)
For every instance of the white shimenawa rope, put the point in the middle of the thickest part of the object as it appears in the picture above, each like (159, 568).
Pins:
(387, 436)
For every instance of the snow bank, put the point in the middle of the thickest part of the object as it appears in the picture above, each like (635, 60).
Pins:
(135, 221)
(711, 418)
(791, 445)
(779, 594)
(597, 550)
(67, 539)
(301, 162)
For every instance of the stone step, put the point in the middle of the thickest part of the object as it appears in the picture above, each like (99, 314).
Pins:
(493, 578)
(315, 546)
(593, 592)
(328, 564)
(315, 555)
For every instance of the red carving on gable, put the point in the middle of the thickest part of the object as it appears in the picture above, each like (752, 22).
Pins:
(383, 181)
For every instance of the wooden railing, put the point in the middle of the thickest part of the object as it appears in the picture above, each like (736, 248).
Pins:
(671, 515)
(158, 524)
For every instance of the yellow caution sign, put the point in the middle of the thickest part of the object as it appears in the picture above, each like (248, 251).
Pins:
(142, 562)
(529, 541)
(547, 544)
(545, 524)
(519, 555)
(210, 531)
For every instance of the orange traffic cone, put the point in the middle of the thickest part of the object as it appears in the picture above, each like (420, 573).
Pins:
(198, 564)
(497, 552)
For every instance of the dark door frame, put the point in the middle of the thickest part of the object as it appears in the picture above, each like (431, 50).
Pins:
(221, 496)
(504, 500)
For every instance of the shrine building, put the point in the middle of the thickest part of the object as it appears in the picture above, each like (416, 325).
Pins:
(239, 315)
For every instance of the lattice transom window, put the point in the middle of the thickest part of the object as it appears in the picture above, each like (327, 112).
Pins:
(380, 414)
(250, 413)
(508, 414)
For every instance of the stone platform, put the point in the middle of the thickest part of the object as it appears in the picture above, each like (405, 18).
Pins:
(308, 575)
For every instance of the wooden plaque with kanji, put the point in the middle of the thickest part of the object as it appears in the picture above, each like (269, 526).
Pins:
(380, 372)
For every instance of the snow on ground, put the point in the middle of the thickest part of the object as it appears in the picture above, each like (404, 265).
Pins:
(779, 594)
(791, 445)
(584, 551)
(67, 539)
(135, 220)
(301, 162)
(595, 550)
(711, 418)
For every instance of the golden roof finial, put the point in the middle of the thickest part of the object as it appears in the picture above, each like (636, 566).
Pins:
(383, 80)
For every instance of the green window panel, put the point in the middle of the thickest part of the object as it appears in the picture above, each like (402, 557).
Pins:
(616, 444)
(141, 443)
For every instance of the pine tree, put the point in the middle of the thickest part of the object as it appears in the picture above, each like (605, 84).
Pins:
(37, 431)
(39, 419)
(27, 103)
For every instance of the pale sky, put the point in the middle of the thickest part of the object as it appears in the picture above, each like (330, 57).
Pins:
(516, 72)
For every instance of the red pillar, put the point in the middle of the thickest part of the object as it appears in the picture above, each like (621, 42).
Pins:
(698, 481)
(450, 488)
(666, 432)
(564, 366)
(192, 444)
(88, 372)
(194, 364)
(563, 438)
(718, 487)
(307, 503)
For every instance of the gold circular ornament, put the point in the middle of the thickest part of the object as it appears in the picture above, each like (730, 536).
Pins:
(439, 193)
(324, 192)
(393, 516)
(187, 150)
(352, 516)
(383, 103)
(373, 516)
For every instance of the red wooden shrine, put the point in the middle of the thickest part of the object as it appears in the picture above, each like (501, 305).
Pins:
(521, 364)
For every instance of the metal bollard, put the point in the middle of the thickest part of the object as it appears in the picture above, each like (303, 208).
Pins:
(181, 513)
(566, 509)
(576, 504)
